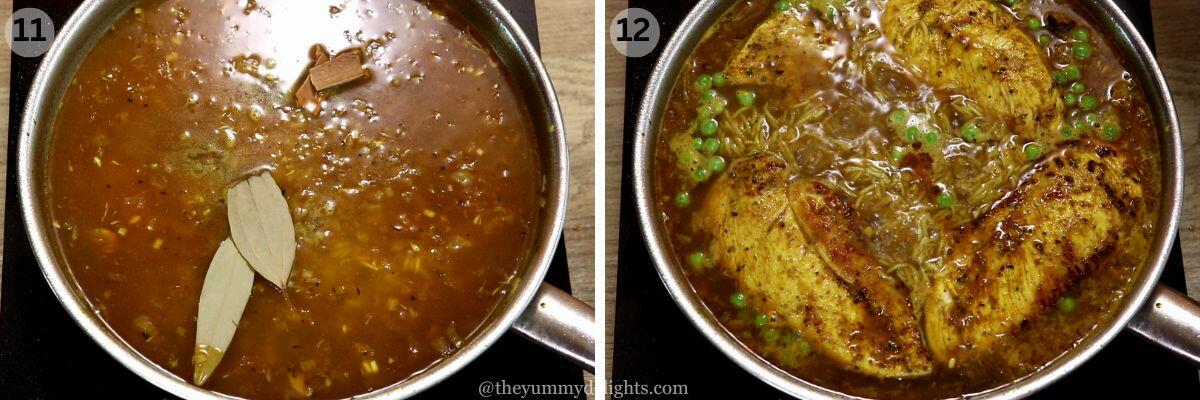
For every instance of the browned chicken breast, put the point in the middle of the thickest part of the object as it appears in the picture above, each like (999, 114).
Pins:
(973, 48)
(794, 249)
(783, 50)
(1012, 264)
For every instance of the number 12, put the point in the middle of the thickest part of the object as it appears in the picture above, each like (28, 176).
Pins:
(637, 37)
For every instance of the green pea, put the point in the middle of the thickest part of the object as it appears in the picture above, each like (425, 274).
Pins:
(803, 348)
(719, 79)
(704, 112)
(970, 132)
(745, 97)
(710, 94)
(683, 199)
(1035, 24)
(697, 143)
(1070, 99)
(738, 300)
(770, 335)
(897, 153)
(717, 105)
(782, 5)
(1080, 127)
(931, 138)
(1044, 39)
(1078, 88)
(1091, 119)
(716, 163)
(1073, 72)
(945, 199)
(761, 320)
(697, 259)
(711, 145)
(1081, 50)
(702, 174)
(912, 133)
(1060, 77)
(1066, 304)
(708, 127)
(704, 82)
(1080, 34)
(1067, 132)
(1032, 151)
(1088, 102)
(898, 117)
(1111, 131)
(791, 337)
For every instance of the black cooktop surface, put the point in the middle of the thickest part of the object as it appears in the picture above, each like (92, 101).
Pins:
(655, 344)
(45, 355)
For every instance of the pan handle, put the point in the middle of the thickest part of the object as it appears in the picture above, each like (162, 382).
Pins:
(1172, 320)
(562, 323)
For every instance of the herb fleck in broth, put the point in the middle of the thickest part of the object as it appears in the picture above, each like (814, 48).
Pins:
(833, 124)
(409, 191)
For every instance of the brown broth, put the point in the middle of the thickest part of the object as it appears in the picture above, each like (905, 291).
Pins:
(864, 131)
(414, 193)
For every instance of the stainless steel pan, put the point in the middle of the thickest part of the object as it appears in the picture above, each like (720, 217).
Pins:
(1156, 312)
(536, 310)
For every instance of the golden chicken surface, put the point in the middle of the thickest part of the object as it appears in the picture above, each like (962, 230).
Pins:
(785, 50)
(793, 248)
(1013, 263)
(973, 48)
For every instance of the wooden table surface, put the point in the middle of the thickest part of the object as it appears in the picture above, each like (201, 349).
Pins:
(567, 37)
(5, 67)
(1175, 34)
(614, 116)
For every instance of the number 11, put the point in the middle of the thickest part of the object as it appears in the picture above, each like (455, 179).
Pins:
(20, 27)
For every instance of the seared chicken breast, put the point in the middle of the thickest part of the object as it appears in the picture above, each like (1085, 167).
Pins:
(975, 49)
(783, 50)
(793, 248)
(1014, 262)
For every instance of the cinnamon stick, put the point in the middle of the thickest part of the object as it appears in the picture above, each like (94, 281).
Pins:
(343, 68)
(306, 94)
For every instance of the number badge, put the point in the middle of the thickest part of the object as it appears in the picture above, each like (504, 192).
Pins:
(30, 32)
(634, 32)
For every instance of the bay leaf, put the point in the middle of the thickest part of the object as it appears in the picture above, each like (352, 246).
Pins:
(223, 298)
(262, 228)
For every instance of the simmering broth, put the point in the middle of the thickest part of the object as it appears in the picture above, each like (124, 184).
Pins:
(415, 191)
